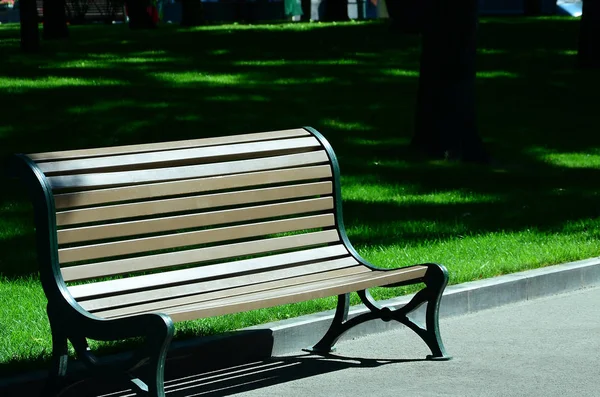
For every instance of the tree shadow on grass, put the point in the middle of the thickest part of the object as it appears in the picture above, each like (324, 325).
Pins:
(354, 82)
(18, 256)
(525, 193)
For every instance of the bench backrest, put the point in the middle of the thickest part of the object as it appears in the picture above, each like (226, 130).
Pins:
(124, 210)
(104, 10)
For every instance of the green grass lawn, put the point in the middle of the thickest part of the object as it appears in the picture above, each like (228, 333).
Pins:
(356, 83)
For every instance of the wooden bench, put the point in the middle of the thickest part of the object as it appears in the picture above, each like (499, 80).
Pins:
(133, 238)
(80, 11)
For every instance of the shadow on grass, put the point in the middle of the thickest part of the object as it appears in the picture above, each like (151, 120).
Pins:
(18, 256)
(354, 82)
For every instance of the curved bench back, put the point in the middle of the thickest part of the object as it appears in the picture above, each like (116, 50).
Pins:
(210, 204)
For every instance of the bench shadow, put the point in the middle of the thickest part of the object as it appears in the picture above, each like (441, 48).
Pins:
(265, 373)
(186, 379)
(217, 365)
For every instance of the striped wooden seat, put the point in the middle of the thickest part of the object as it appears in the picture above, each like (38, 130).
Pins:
(183, 230)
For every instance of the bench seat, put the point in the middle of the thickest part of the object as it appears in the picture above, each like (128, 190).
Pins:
(242, 292)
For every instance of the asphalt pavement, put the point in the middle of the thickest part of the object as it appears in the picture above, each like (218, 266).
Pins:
(542, 347)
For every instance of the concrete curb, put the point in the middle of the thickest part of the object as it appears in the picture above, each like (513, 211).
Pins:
(290, 336)
(297, 333)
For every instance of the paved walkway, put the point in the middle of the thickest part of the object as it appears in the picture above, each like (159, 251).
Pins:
(545, 347)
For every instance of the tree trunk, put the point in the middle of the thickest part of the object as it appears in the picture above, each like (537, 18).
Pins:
(30, 33)
(306, 10)
(445, 118)
(406, 15)
(532, 7)
(140, 14)
(191, 13)
(589, 35)
(335, 10)
(55, 20)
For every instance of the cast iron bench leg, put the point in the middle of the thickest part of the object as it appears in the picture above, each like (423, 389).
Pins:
(148, 361)
(60, 356)
(339, 325)
(157, 346)
(435, 280)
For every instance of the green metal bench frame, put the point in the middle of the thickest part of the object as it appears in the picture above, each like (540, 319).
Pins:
(158, 328)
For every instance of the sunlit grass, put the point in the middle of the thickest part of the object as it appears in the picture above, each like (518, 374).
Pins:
(184, 78)
(106, 62)
(301, 81)
(22, 301)
(401, 195)
(587, 159)
(14, 84)
(400, 72)
(490, 51)
(283, 62)
(355, 82)
(346, 125)
(496, 74)
(296, 27)
(568, 53)
(474, 256)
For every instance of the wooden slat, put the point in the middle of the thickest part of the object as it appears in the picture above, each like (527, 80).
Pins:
(177, 157)
(116, 150)
(190, 293)
(233, 292)
(148, 244)
(92, 197)
(294, 294)
(159, 261)
(149, 226)
(175, 277)
(186, 172)
(155, 207)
